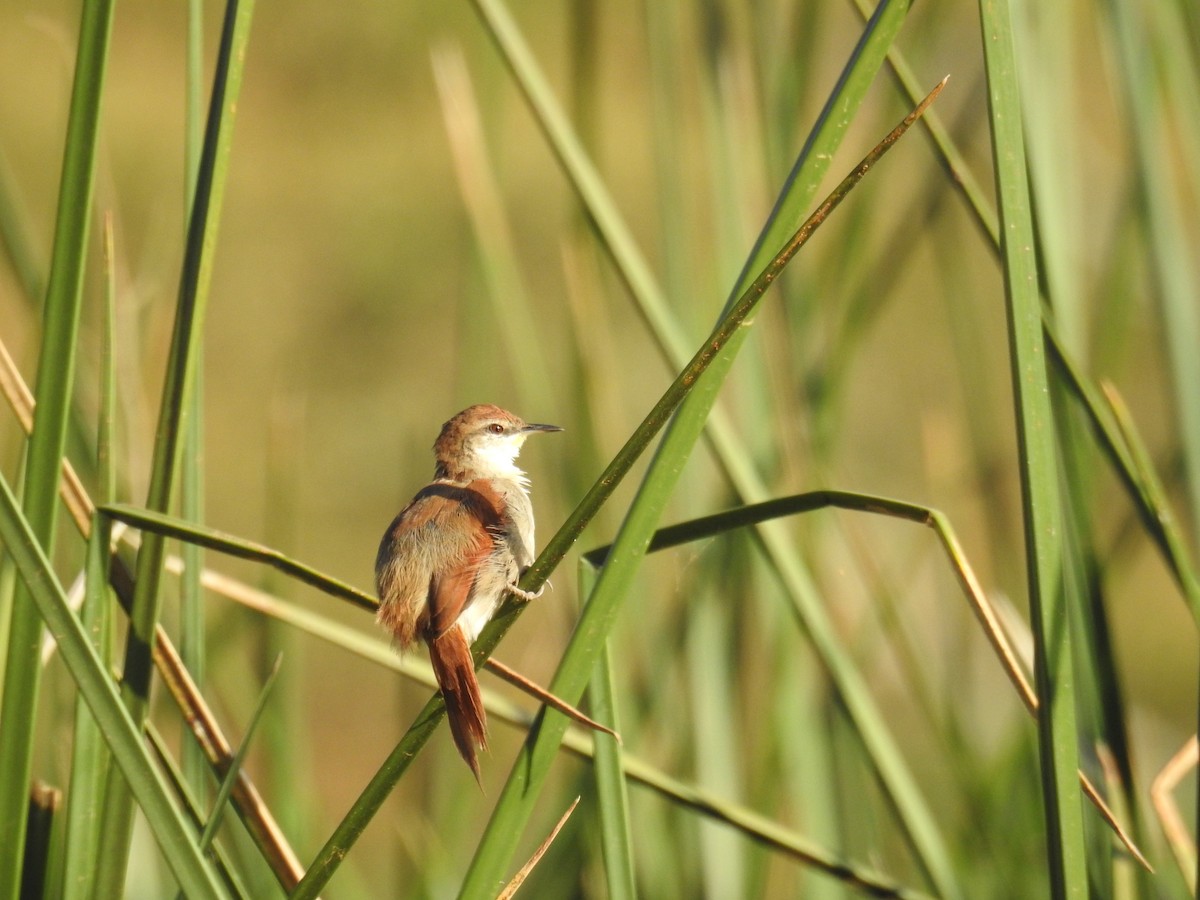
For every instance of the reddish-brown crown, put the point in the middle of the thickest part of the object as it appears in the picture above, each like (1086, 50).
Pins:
(482, 441)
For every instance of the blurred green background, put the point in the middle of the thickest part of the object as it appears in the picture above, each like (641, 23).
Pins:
(353, 311)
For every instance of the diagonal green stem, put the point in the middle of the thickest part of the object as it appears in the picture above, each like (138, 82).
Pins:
(532, 765)
(394, 766)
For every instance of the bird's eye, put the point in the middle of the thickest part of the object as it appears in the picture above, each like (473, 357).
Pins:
(496, 428)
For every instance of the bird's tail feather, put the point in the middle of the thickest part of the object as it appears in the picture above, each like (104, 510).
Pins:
(455, 672)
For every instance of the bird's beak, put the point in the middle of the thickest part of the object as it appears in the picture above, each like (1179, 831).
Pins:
(530, 429)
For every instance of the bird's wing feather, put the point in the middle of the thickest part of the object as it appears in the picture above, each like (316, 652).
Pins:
(472, 514)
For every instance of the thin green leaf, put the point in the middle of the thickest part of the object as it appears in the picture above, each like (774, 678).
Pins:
(520, 794)
(1173, 262)
(1057, 734)
(55, 381)
(165, 526)
(395, 765)
(181, 373)
(616, 839)
(191, 495)
(90, 760)
(235, 765)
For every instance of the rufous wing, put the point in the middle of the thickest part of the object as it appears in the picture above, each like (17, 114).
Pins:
(449, 593)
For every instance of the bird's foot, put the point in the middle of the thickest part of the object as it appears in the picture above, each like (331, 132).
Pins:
(527, 595)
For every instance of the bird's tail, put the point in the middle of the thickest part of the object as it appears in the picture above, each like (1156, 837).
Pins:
(455, 672)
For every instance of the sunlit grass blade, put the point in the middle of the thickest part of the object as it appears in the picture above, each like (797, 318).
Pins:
(164, 526)
(616, 840)
(176, 840)
(877, 38)
(288, 716)
(531, 767)
(1148, 485)
(218, 753)
(235, 765)
(181, 372)
(189, 320)
(90, 757)
(715, 729)
(195, 815)
(55, 381)
(1041, 503)
(191, 494)
(1173, 264)
(394, 766)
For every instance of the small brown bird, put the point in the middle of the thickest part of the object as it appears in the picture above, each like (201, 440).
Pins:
(447, 560)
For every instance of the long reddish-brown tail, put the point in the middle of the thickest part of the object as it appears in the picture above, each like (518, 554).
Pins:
(452, 665)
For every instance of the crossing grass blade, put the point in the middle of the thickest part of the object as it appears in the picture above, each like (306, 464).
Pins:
(395, 765)
(875, 43)
(191, 495)
(1151, 101)
(175, 838)
(532, 765)
(235, 765)
(1041, 504)
(616, 838)
(90, 756)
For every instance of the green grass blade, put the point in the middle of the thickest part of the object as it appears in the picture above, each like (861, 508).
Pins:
(1172, 258)
(727, 329)
(532, 765)
(1154, 510)
(715, 730)
(961, 176)
(193, 294)
(1146, 483)
(191, 496)
(1057, 733)
(90, 758)
(202, 536)
(635, 273)
(512, 313)
(177, 842)
(181, 373)
(616, 839)
(55, 380)
(235, 765)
